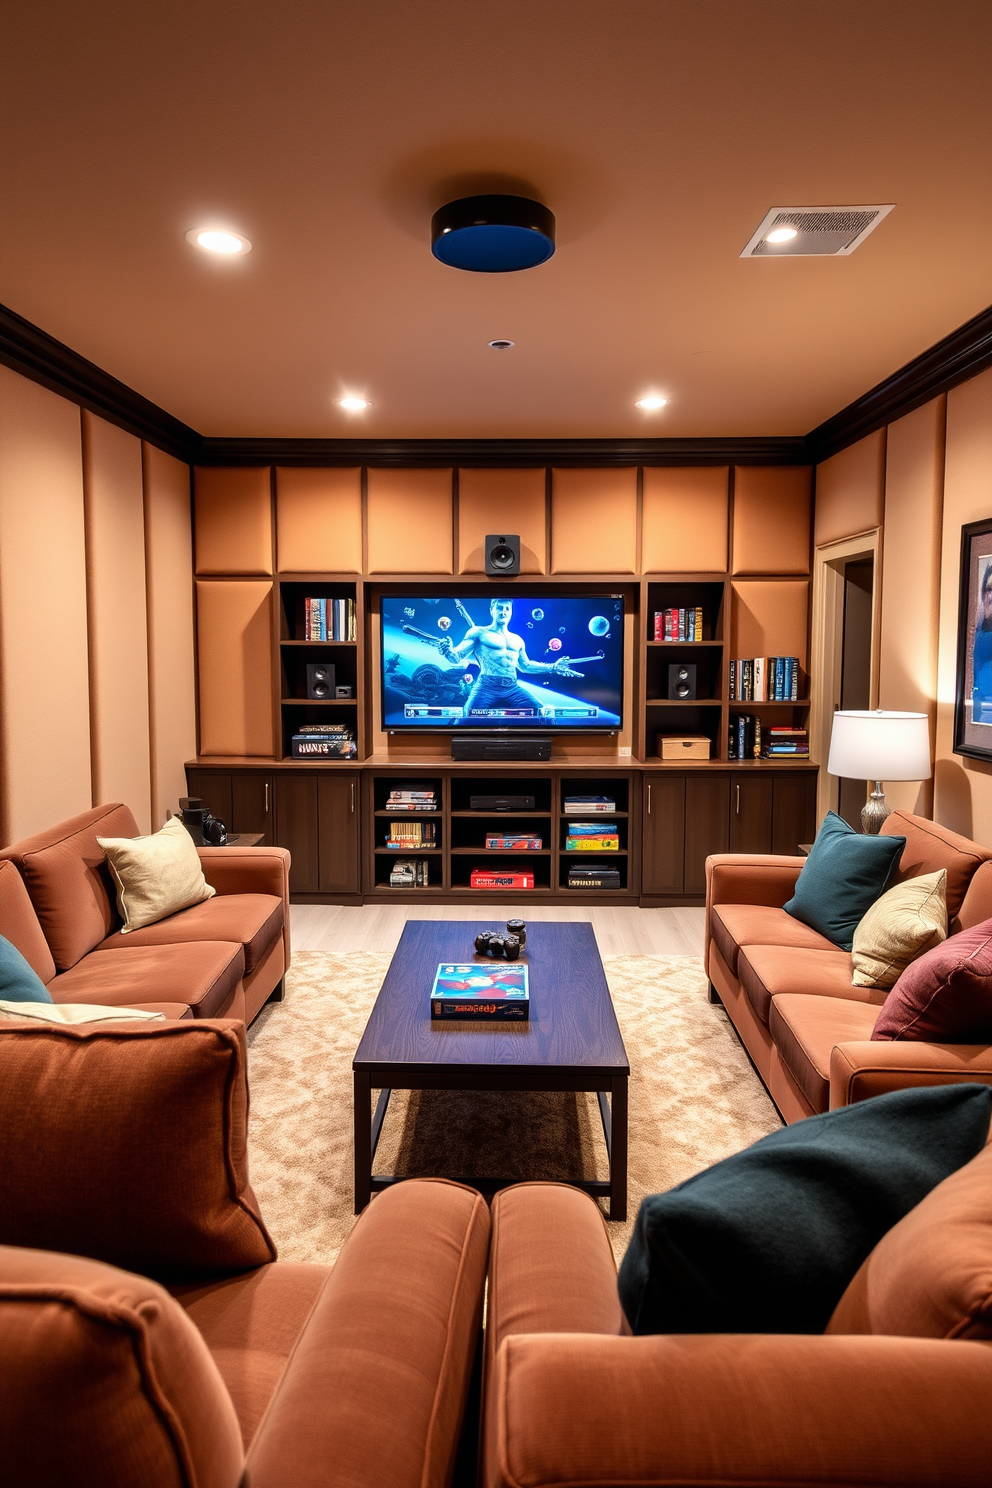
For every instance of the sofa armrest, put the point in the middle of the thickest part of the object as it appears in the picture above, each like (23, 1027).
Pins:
(751, 878)
(740, 1409)
(250, 870)
(862, 1069)
(375, 1390)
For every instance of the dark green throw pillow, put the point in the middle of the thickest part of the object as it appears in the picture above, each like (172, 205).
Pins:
(767, 1240)
(845, 873)
(19, 982)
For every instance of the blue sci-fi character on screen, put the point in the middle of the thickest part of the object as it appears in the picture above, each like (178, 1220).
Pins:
(500, 655)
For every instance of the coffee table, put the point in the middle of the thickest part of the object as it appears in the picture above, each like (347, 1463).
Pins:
(571, 1042)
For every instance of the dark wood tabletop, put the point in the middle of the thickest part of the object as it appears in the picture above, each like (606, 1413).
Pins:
(572, 1025)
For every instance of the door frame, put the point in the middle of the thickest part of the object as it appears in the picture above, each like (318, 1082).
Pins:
(829, 563)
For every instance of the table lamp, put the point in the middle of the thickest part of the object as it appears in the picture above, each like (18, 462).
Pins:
(879, 746)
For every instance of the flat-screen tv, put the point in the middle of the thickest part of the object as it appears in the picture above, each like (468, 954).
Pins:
(502, 660)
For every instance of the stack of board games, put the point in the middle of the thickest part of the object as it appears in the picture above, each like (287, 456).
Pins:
(593, 876)
(786, 743)
(679, 624)
(407, 836)
(324, 741)
(592, 837)
(513, 842)
(509, 878)
(412, 873)
(498, 994)
(588, 805)
(408, 799)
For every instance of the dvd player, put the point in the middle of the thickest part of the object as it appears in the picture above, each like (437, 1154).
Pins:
(501, 803)
(500, 749)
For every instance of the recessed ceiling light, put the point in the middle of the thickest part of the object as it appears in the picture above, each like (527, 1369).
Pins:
(651, 403)
(781, 235)
(502, 345)
(353, 403)
(218, 240)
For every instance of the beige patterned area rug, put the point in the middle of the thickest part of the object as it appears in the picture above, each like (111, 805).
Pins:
(694, 1099)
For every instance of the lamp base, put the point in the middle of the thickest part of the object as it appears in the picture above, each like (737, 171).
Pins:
(874, 812)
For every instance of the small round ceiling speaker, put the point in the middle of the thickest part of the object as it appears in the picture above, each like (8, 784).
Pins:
(493, 234)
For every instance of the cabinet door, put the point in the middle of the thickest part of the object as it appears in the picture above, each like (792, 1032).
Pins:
(751, 814)
(252, 806)
(339, 838)
(296, 828)
(663, 840)
(707, 811)
(793, 812)
(214, 789)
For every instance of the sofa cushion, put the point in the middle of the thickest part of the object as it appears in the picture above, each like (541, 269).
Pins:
(254, 921)
(930, 846)
(767, 1240)
(104, 1380)
(909, 919)
(204, 975)
(806, 1029)
(155, 875)
(767, 971)
(19, 982)
(74, 1014)
(69, 882)
(931, 1275)
(845, 873)
(946, 996)
(736, 925)
(136, 1152)
(19, 923)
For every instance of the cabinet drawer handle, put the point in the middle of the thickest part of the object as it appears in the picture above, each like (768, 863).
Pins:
(352, 798)
(737, 799)
(266, 798)
(649, 798)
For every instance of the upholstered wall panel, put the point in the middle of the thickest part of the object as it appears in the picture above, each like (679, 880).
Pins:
(684, 526)
(849, 490)
(594, 521)
(500, 501)
(169, 586)
(962, 787)
(772, 519)
(409, 521)
(318, 520)
(910, 594)
(233, 521)
(769, 618)
(118, 637)
(44, 686)
(233, 627)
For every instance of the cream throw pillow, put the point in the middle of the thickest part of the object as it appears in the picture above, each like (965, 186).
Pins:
(156, 875)
(70, 1014)
(905, 922)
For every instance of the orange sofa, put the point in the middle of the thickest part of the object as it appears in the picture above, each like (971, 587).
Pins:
(148, 1336)
(788, 990)
(223, 958)
(896, 1394)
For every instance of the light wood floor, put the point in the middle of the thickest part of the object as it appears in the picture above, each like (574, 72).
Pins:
(619, 932)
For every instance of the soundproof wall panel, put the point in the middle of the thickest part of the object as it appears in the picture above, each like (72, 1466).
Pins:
(318, 520)
(684, 520)
(409, 521)
(171, 664)
(44, 686)
(500, 502)
(850, 490)
(234, 630)
(772, 511)
(594, 521)
(118, 637)
(233, 520)
(769, 618)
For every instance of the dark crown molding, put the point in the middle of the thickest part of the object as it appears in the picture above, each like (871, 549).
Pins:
(31, 351)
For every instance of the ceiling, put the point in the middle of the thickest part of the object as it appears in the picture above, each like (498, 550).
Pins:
(658, 131)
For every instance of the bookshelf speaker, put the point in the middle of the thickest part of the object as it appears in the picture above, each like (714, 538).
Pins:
(320, 680)
(502, 555)
(682, 680)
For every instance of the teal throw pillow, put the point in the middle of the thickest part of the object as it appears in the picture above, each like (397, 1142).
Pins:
(845, 873)
(768, 1240)
(18, 981)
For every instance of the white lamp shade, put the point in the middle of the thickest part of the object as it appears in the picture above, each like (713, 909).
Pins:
(880, 746)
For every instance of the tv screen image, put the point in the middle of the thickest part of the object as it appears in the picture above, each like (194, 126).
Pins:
(502, 661)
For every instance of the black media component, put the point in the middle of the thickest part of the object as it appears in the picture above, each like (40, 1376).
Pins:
(205, 830)
(519, 929)
(491, 943)
(502, 555)
(682, 680)
(496, 748)
(501, 803)
(320, 679)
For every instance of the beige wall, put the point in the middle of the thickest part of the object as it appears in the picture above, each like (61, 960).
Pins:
(96, 694)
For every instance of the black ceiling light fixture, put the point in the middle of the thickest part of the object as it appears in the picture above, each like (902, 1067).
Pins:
(493, 234)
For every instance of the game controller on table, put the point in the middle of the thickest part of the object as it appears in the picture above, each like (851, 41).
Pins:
(508, 947)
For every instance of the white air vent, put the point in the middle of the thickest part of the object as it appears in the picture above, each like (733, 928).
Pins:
(817, 231)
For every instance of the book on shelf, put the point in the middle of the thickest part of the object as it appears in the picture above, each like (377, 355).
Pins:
(328, 730)
(745, 737)
(413, 873)
(489, 878)
(411, 834)
(412, 800)
(328, 619)
(492, 992)
(679, 624)
(512, 842)
(323, 746)
(781, 743)
(765, 679)
(583, 805)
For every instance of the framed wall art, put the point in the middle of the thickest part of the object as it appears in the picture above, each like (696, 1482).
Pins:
(973, 693)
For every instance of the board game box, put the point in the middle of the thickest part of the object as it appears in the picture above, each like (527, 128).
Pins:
(470, 989)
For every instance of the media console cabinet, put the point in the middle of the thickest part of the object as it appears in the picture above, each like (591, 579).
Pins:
(333, 819)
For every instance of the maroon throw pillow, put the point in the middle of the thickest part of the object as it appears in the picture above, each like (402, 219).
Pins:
(946, 995)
